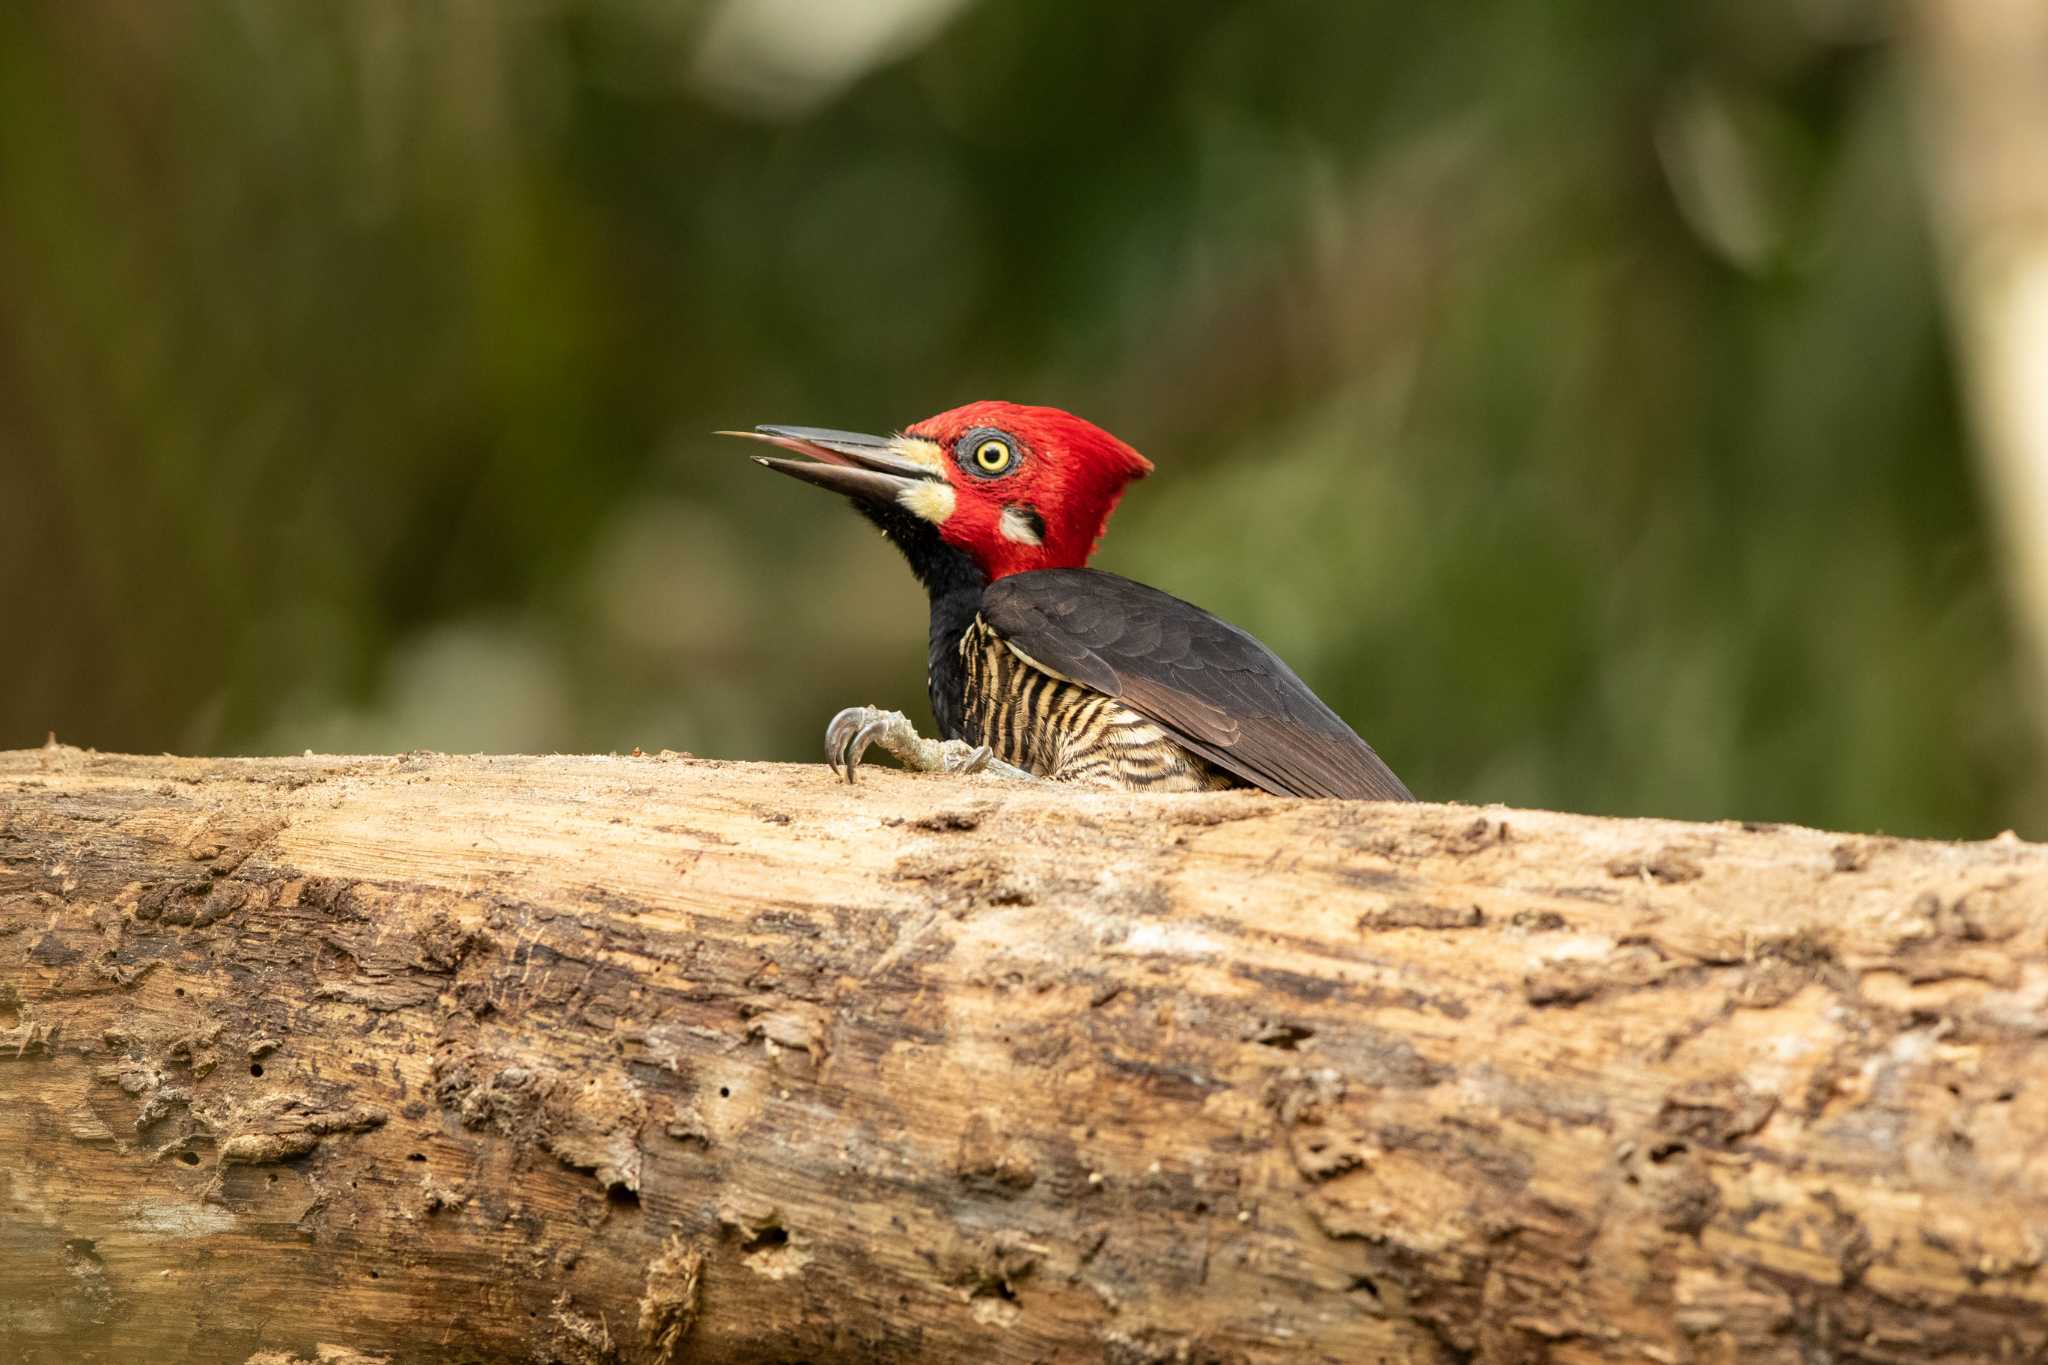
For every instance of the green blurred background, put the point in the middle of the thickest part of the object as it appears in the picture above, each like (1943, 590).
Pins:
(1563, 388)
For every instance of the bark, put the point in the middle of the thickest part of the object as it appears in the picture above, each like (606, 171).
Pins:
(1984, 103)
(650, 1059)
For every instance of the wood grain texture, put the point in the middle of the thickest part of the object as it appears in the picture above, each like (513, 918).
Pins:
(635, 1059)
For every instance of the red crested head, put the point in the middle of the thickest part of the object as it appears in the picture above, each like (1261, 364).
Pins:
(1025, 487)
(1013, 487)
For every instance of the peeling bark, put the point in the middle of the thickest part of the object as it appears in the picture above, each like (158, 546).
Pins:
(610, 1059)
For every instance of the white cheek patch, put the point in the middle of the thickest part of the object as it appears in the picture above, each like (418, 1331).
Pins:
(932, 501)
(1021, 526)
(920, 451)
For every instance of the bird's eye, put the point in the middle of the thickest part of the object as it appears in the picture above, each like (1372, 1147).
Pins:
(992, 456)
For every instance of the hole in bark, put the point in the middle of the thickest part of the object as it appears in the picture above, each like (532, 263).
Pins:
(1664, 1153)
(189, 1158)
(725, 1092)
(416, 1156)
(623, 1197)
(374, 1275)
(180, 991)
(1286, 1037)
(765, 1238)
(1365, 1282)
(994, 1287)
(255, 1068)
(2005, 1096)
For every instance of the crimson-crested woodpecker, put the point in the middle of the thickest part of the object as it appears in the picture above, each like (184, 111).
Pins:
(1041, 667)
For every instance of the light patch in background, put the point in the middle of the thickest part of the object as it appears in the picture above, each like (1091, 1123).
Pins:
(2007, 305)
(474, 686)
(783, 58)
(663, 580)
(1732, 163)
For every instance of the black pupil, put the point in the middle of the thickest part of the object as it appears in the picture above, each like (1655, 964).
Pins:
(992, 453)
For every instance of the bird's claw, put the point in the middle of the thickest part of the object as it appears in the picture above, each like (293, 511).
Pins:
(840, 735)
(853, 730)
(882, 727)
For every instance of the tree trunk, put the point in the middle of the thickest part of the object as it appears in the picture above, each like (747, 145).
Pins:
(650, 1059)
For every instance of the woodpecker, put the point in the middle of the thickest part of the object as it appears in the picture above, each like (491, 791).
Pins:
(1040, 666)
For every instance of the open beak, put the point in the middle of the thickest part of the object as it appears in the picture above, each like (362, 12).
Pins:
(864, 467)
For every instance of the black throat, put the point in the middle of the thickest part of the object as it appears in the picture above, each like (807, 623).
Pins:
(954, 583)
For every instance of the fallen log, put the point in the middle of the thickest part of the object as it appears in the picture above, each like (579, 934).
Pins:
(651, 1059)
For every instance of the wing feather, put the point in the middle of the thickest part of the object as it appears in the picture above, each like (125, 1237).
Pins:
(1222, 693)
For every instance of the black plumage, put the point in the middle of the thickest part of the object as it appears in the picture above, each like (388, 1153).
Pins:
(1216, 689)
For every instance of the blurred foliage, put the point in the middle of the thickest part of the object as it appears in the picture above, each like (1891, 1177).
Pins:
(1561, 387)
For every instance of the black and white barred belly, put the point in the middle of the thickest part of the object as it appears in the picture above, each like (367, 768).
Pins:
(1069, 733)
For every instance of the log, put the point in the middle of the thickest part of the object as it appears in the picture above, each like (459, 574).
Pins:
(642, 1059)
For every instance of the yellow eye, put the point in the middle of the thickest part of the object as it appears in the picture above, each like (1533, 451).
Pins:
(992, 456)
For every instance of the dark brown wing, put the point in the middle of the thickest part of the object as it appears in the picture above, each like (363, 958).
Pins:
(1223, 694)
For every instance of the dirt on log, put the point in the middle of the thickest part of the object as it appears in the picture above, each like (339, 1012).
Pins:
(649, 1059)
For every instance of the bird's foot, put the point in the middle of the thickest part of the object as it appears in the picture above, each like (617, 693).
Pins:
(857, 727)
